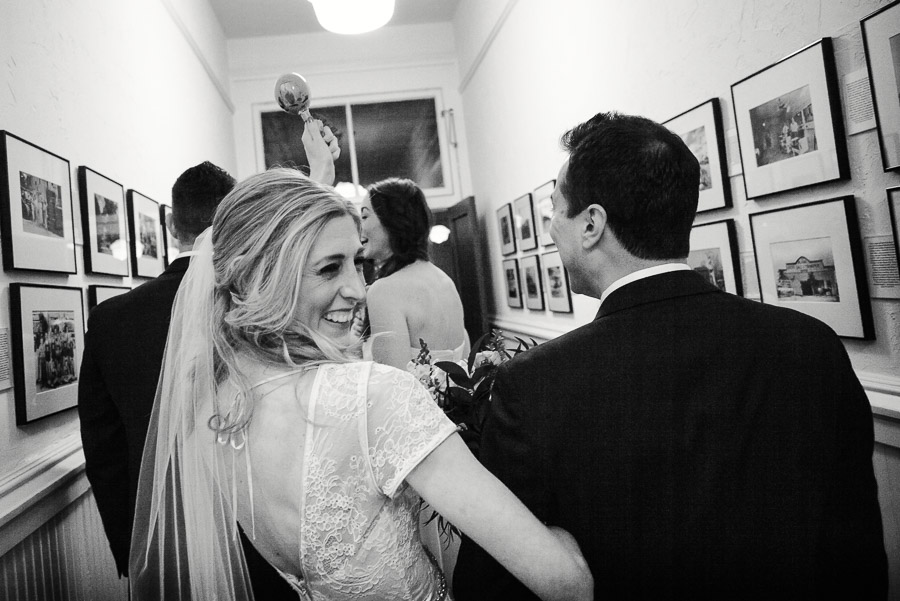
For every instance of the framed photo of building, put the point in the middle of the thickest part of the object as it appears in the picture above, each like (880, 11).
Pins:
(789, 123)
(513, 289)
(559, 296)
(809, 258)
(146, 236)
(714, 255)
(701, 129)
(36, 213)
(171, 251)
(544, 211)
(47, 332)
(507, 232)
(524, 221)
(532, 289)
(97, 294)
(881, 39)
(103, 223)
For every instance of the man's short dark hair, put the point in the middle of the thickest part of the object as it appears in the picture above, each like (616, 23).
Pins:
(645, 177)
(196, 194)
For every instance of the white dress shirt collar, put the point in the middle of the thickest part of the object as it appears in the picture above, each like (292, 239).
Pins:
(641, 274)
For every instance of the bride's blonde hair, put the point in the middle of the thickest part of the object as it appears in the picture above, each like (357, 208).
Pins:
(262, 234)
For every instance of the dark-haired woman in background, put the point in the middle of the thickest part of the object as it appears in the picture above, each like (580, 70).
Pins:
(410, 300)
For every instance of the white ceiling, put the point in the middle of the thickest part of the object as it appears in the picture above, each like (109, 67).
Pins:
(254, 18)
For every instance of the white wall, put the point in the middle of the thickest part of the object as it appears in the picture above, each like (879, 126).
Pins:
(656, 59)
(381, 64)
(118, 87)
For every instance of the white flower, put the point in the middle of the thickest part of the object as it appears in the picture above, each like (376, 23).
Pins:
(487, 357)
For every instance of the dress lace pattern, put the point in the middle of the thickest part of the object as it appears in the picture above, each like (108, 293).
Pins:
(369, 426)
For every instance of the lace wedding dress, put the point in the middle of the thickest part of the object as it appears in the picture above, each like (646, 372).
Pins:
(368, 426)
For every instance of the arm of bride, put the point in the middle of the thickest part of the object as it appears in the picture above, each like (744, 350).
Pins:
(546, 560)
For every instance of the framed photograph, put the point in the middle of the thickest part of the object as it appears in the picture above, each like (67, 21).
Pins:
(881, 39)
(532, 289)
(559, 296)
(789, 124)
(513, 290)
(809, 258)
(47, 331)
(544, 209)
(505, 225)
(171, 251)
(893, 198)
(97, 294)
(36, 214)
(702, 131)
(524, 221)
(714, 255)
(103, 223)
(146, 236)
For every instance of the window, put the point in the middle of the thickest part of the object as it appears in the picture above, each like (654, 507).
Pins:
(397, 138)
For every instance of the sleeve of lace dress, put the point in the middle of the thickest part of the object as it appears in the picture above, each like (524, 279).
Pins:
(403, 425)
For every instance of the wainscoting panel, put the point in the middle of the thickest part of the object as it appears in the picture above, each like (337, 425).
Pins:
(66, 559)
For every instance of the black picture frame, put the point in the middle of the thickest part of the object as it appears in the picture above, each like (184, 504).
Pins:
(104, 223)
(170, 252)
(144, 229)
(556, 277)
(47, 331)
(543, 211)
(789, 123)
(893, 200)
(523, 213)
(513, 287)
(881, 40)
(97, 293)
(701, 129)
(714, 255)
(505, 225)
(36, 217)
(809, 258)
(532, 285)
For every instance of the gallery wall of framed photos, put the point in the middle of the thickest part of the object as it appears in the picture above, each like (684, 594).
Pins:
(119, 241)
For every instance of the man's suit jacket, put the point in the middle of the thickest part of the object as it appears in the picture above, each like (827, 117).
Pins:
(697, 445)
(123, 352)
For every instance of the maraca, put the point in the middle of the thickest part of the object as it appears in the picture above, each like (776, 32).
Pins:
(292, 94)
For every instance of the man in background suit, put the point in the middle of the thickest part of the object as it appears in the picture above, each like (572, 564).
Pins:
(696, 444)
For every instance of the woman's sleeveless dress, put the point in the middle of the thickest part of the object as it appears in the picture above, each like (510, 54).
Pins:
(368, 426)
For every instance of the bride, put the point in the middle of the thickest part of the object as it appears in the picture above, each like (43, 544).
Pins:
(264, 419)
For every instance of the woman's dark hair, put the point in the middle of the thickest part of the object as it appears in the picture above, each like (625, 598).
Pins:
(401, 207)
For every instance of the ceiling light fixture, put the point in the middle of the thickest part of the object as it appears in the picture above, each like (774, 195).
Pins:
(353, 16)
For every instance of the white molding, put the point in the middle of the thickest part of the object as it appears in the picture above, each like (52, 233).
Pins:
(513, 326)
(40, 489)
(476, 63)
(189, 38)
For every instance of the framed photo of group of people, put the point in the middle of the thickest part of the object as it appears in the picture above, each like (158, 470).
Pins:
(37, 220)
(535, 281)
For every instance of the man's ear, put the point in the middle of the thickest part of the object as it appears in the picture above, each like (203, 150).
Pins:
(170, 226)
(593, 226)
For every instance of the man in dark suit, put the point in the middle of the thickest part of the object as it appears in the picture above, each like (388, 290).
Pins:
(120, 366)
(696, 444)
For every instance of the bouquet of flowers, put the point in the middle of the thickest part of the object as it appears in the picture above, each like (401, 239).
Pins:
(463, 388)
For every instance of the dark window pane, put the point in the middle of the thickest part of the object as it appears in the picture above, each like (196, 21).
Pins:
(282, 146)
(398, 139)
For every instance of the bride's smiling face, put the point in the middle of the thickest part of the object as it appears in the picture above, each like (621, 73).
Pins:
(332, 283)
(375, 239)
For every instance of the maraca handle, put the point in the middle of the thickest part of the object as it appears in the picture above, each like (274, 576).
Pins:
(304, 114)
